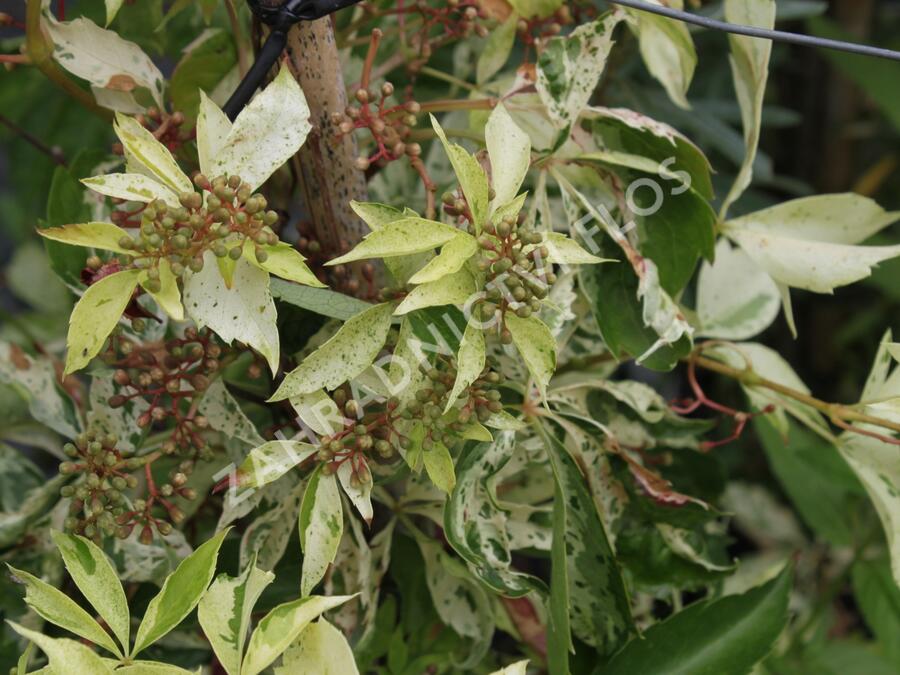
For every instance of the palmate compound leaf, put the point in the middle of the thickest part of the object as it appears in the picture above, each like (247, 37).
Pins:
(180, 593)
(96, 315)
(570, 67)
(321, 525)
(267, 132)
(727, 636)
(96, 578)
(280, 627)
(348, 353)
(225, 612)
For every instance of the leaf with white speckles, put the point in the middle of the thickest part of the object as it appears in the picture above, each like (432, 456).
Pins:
(452, 257)
(471, 359)
(570, 67)
(471, 176)
(361, 492)
(566, 251)
(537, 346)
(133, 187)
(103, 58)
(213, 127)
(270, 461)
(476, 527)
(145, 154)
(453, 289)
(224, 414)
(267, 132)
(168, 297)
(96, 315)
(510, 151)
(103, 236)
(244, 312)
(401, 237)
(321, 525)
(348, 353)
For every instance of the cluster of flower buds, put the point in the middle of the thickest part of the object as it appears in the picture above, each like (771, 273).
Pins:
(455, 19)
(223, 219)
(389, 125)
(481, 400)
(532, 31)
(98, 496)
(169, 129)
(156, 511)
(168, 378)
(518, 274)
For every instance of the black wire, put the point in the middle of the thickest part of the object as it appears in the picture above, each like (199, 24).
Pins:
(753, 31)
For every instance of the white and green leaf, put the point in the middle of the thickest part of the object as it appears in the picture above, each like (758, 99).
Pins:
(321, 526)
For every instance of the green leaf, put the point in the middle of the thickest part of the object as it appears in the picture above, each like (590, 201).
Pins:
(97, 580)
(439, 465)
(112, 8)
(134, 187)
(537, 346)
(244, 312)
(348, 353)
(284, 261)
(471, 176)
(180, 593)
(719, 637)
(878, 597)
(569, 68)
(145, 154)
(104, 236)
(65, 205)
(103, 58)
(267, 132)
(96, 315)
(270, 461)
(225, 612)
(401, 237)
(169, 295)
(496, 50)
(474, 525)
(453, 289)
(540, 9)
(321, 649)
(207, 61)
(321, 526)
(280, 627)
(510, 151)
(667, 50)
(626, 131)
(65, 656)
(318, 300)
(595, 598)
(612, 292)
(750, 69)
(152, 668)
(450, 260)
(471, 359)
(59, 609)
(736, 300)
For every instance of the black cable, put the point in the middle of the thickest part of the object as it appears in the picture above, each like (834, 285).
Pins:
(753, 31)
(279, 15)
